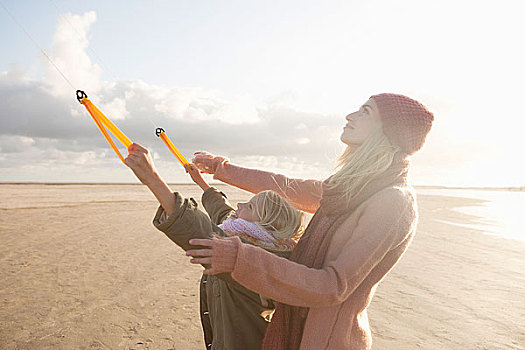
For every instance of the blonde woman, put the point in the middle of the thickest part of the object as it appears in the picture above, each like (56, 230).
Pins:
(365, 217)
(232, 316)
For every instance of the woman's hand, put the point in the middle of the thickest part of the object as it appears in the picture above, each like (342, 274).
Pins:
(139, 160)
(207, 162)
(220, 254)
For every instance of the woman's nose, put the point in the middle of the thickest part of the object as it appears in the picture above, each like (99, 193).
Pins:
(350, 116)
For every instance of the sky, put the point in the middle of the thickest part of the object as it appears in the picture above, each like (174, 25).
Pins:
(265, 83)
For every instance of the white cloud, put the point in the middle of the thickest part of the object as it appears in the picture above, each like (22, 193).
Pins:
(302, 140)
(68, 53)
(15, 144)
(116, 108)
(197, 105)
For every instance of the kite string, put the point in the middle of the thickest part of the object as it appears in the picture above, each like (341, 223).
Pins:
(36, 44)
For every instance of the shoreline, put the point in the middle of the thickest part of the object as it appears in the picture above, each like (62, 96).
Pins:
(421, 187)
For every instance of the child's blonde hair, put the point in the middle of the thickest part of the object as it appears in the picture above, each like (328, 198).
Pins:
(278, 216)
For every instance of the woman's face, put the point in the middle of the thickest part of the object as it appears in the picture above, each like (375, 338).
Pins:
(361, 124)
(247, 211)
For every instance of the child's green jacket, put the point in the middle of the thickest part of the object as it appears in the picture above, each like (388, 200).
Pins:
(232, 316)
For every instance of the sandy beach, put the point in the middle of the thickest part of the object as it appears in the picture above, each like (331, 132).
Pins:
(82, 267)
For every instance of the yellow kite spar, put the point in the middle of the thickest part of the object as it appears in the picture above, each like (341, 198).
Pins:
(103, 122)
(160, 133)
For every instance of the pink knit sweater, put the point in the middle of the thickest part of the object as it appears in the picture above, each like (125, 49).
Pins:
(365, 247)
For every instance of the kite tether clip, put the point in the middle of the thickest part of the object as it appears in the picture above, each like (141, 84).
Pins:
(81, 95)
(159, 131)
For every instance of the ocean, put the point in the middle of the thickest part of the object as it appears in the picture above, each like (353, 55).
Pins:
(501, 214)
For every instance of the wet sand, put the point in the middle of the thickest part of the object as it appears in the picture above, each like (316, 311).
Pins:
(81, 267)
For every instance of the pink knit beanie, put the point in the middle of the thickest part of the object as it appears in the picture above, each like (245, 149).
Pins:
(406, 122)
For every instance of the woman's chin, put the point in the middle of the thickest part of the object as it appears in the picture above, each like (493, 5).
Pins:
(350, 139)
(346, 140)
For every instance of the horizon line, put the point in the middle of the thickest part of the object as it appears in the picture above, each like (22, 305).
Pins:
(510, 188)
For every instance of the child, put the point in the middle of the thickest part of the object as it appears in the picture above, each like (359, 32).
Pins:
(232, 316)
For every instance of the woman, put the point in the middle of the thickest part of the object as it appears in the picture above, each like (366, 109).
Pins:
(365, 217)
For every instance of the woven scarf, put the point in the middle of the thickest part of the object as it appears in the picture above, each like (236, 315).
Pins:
(255, 235)
(286, 329)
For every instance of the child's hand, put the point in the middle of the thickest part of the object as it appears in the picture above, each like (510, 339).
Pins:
(194, 172)
(196, 176)
(139, 160)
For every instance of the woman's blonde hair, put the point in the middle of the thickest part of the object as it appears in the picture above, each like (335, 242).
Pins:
(360, 165)
(278, 216)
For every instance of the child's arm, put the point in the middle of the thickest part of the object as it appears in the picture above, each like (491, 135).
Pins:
(196, 176)
(139, 160)
(216, 205)
(214, 201)
(184, 220)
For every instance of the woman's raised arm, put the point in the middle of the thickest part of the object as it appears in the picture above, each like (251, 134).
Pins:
(303, 194)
